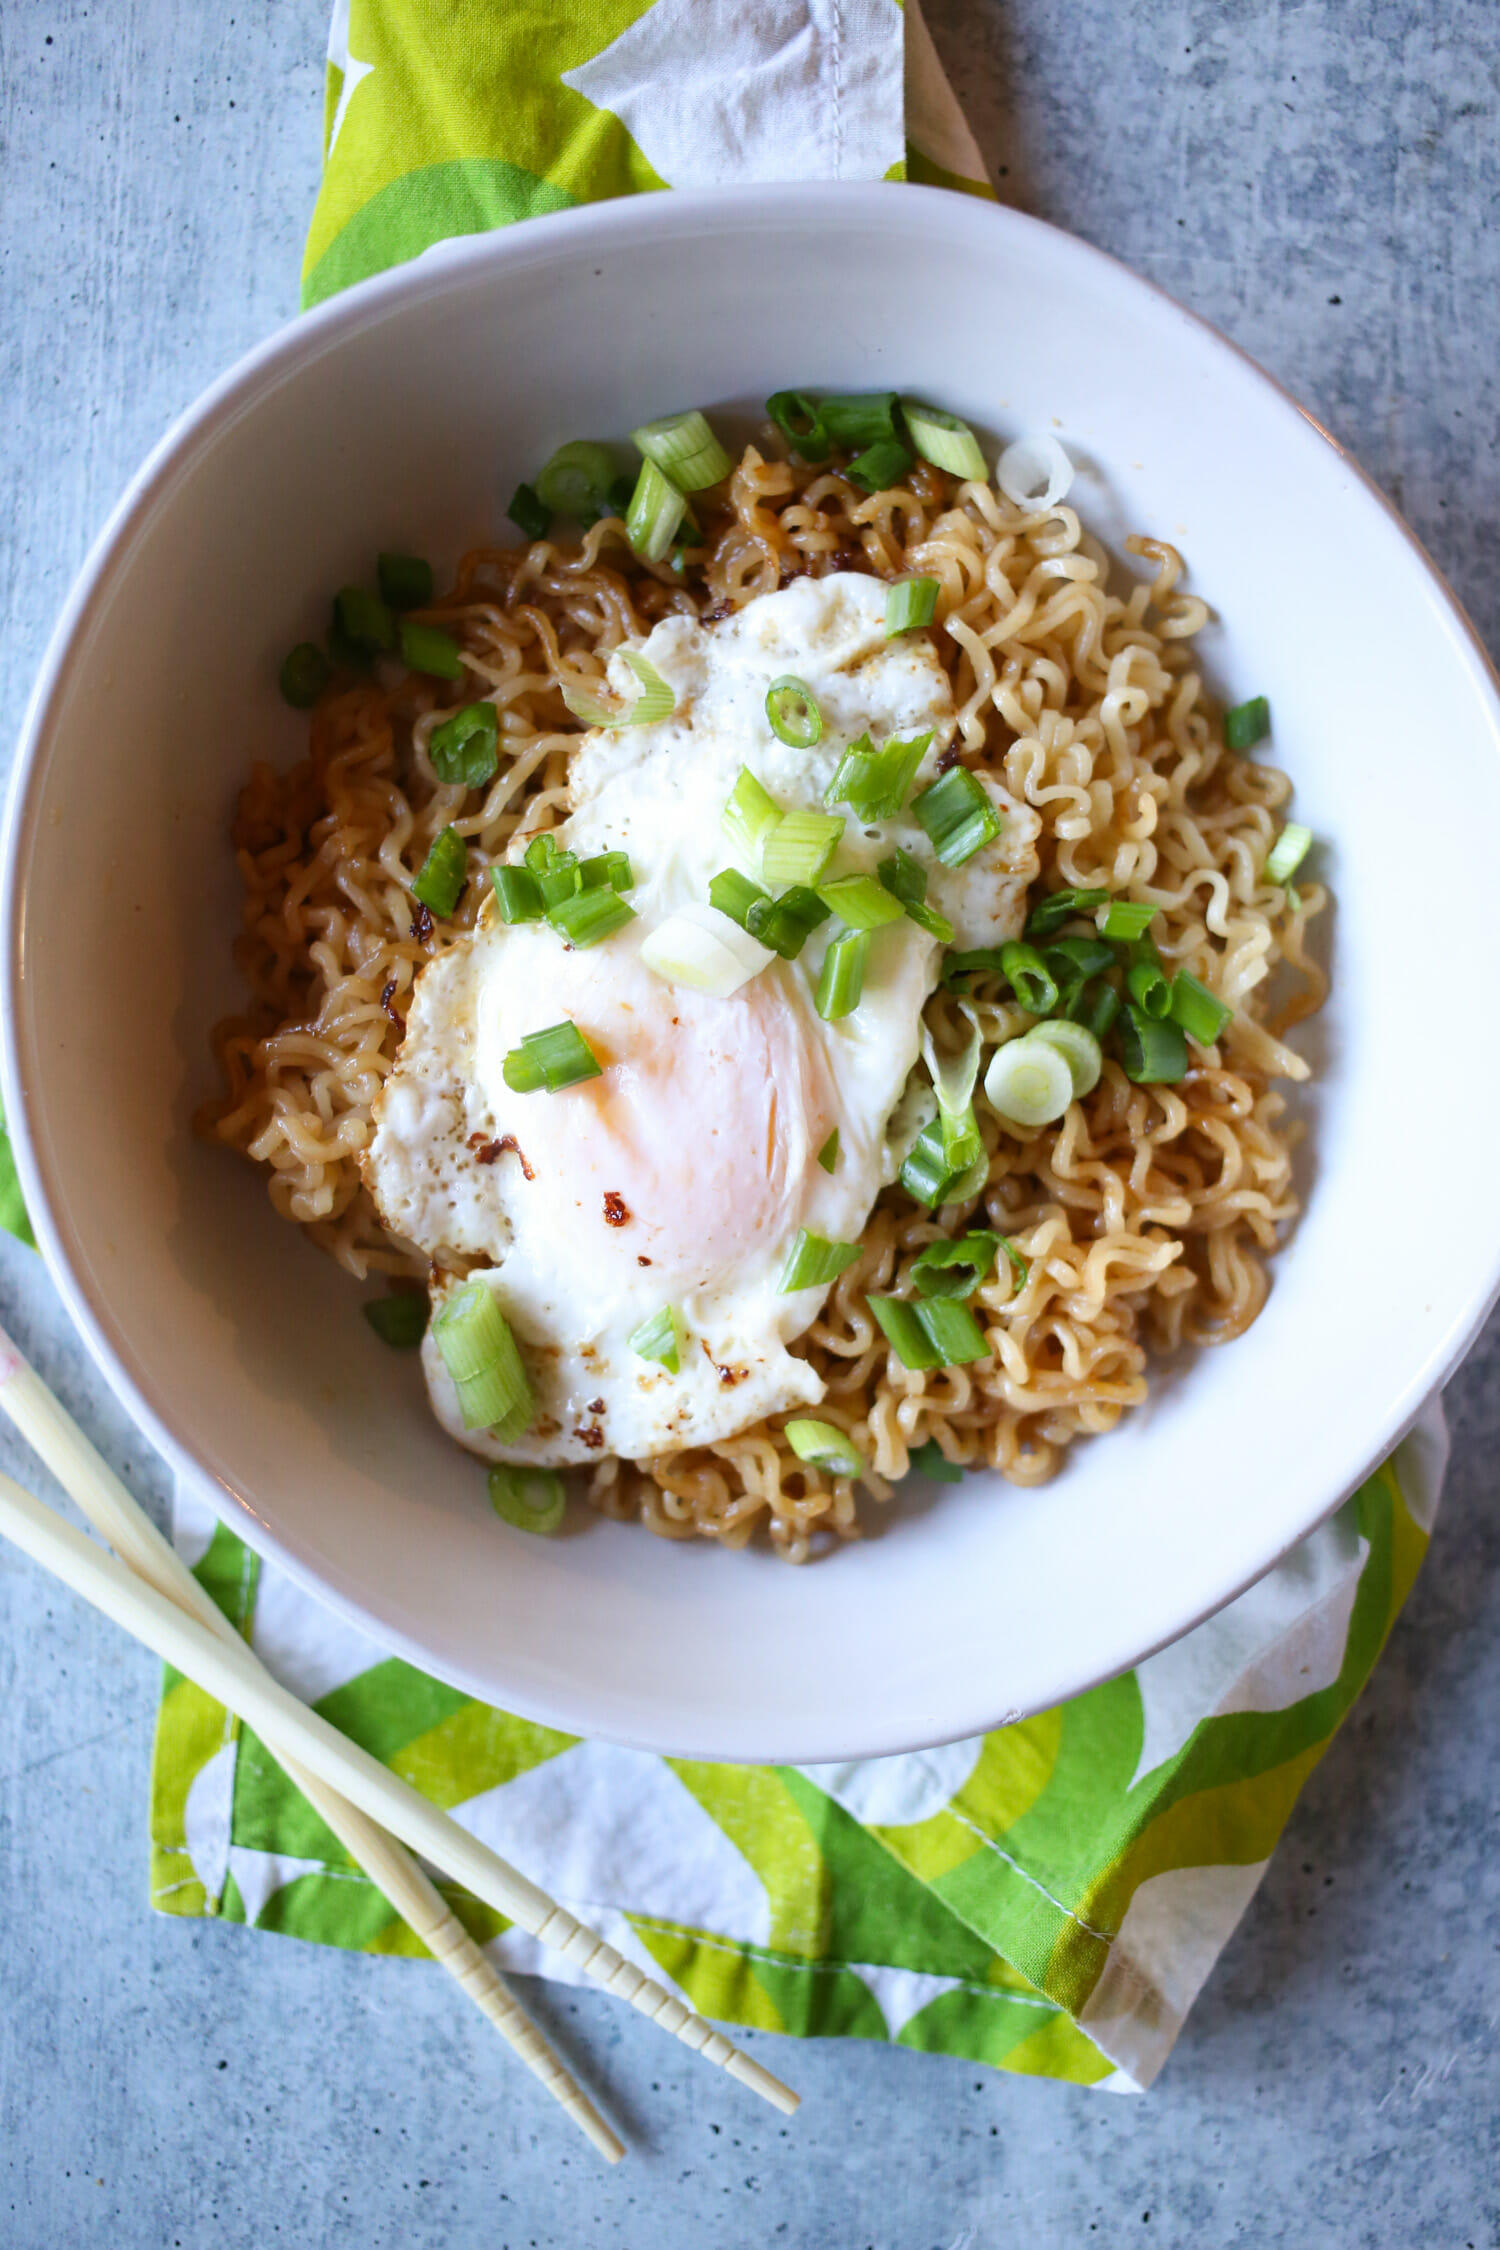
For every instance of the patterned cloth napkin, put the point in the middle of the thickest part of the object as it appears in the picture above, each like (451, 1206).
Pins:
(1047, 1898)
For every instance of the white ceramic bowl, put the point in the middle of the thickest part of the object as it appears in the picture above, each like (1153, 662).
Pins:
(403, 414)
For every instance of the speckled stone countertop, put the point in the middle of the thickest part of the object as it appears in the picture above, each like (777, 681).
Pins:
(1320, 179)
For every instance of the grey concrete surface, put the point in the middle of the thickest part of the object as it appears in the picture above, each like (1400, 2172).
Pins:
(1320, 179)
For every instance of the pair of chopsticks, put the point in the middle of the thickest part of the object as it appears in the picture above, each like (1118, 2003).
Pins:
(368, 1807)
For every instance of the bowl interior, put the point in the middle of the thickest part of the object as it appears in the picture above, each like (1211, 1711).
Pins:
(403, 416)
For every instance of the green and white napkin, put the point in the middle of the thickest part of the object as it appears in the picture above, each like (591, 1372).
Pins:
(1047, 1898)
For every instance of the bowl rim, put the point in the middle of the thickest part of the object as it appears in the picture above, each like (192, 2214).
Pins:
(300, 342)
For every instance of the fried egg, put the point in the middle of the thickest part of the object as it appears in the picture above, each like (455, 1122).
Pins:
(681, 1176)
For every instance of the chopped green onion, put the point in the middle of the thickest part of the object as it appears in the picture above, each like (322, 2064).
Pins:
(843, 976)
(405, 581)
(399, 1320)
(1201, 1013)
(1288, 852)
(1146, 980)
(860, 902)
(800, 845)
(904, 1332)
(814, 1262)
(978, 961)
(800, 421)
(824, 1446)
(1154, 1053)
(1247, 724)
(576, 480)
(424, 649)
(794, 716)
(955, 1269)
(655, 701)
(444, 872)
(957, 816)
(953, 1079)
(734, 894)
(1029, 1082)
(304, 675)
(529, 512)
(685, 449)
(698, 948)
(909, 604)
(1029, 978)
(881, 466)
(856, 419)
(606, 871)
(828, 1154)
(1019, 1267)
(906, 880)
(518, 894)
(344, 654)
(527, 1499)
(474, 1340)
(1125, 919)
(1079, 1050)
(1073, 960)
(661, 1339)
(617, 499)
(785, 924)
(873, 783)
(749, 816)
(929, 1179)
(1095, 1006)
(462, 749)
(655, 516)
(1059, 907)
(945, 441)
(588, 917)
(365, 620)
(556, 872)
(555, 1058)
(937, 1333)
(929, 1460)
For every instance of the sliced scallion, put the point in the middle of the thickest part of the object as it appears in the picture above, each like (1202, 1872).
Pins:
(957, 815)
(556, 872)
(444, 872)
(955, 1269)
(405, 581)
(749, 816)
(1029, 978)
(699, 949)
(527, 1499)
(945, 441)
(476, 1346)
(655, 514)
(880, 466)
(1201, 1013)
(910, 604)
(304, 674)
(823, 1445)
(814, 1262)
(734, 894)
(800, 845)
(399, 1320)
(588, 917)
(1154, 1053)
(860, 902)
(1095, 1006)
(856, 419)
(1125, 919)
(800, 421)
(929, 1460)
(660, 1339)
(517, 894)
(786, 923)
(794, 715)
(1146, 980)
(655, 701)
(1059, 907)
(365, 620)
(463, 749)
(976, 961)
(842, 981)
(576, 480)
(906, 880)
(606, 871)
(940, 1332)
(953, 1079)
(529, 512)
(1078, 1048)
(828, 1154)
(903, 1330)
(555, 1058)
(874, 783)
(1073, 960)
(929, 1179)
(424, 649)
(685, 449)
(1247, 723)
(1034, 473)
(1288, 852)
(1029, 1082)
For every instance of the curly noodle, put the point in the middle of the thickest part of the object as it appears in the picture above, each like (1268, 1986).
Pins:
(1145, 1215)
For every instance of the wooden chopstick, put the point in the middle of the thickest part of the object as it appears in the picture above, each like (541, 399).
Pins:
(88, 1479)
(227, 1669)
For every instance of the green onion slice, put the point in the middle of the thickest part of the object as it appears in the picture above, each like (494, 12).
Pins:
(734, 894)
(955, 1269)
(701, 950)
(1059, 907)
(606, 871)
(800, 845)
(749, 816)
(940, 1332)
(842, 980)
(880, 466)
(655, 514)
(945, 441)
(529, 512)
(1095, 1006)
(977, 961)
(365, 620)
(1125, 919)
(828, 1154)
(860, 902)
(527, 1499)
(557, 1057)
(909, 604)
(588, 917)
(685, 449)
(1072, 960)
(873, 783)
(1019, 1266)
(906, 880)
(855, 419)
(425, 649)
(957, 816)
(794, 715)
(1146, 980)
(474, 1340)
(463, 749)
(785, 924)
(304, 674)
(405, 581)
(953, 1078)
(904, 1332)
(1288, 852)
(1247, 724)
(1029, 1082)
(1078, 1048)
(444, 872)
(1201, 1013)
(800, 421)
(557, 873)
(927, 1176)
(929, 1460)
(1154, 1053)
(576, 481)
(1029, 978)
(814, 1262)
(518, 894)
(655, 701)
(660, 1339)
(823, 1445)
(399, 1320)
